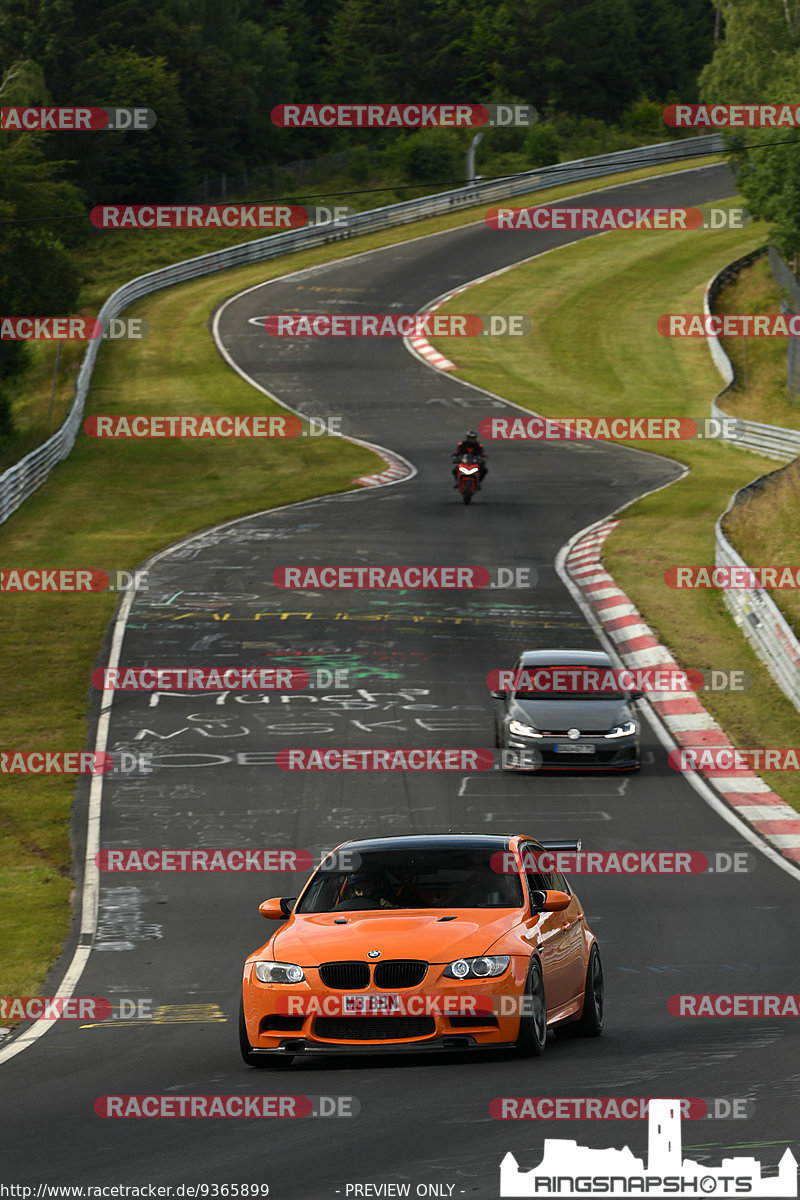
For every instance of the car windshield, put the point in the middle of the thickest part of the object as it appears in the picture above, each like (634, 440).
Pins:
(415, 878)
(570, 681)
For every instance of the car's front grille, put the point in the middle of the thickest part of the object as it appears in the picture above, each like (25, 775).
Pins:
(373, 1029)
(564, 732)
(400, 973)
(345, 976)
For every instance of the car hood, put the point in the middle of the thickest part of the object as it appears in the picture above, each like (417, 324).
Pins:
(313, 938)
(566, 714)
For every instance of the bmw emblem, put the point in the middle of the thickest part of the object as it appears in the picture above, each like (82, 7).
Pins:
(373, 954)
(573, 734)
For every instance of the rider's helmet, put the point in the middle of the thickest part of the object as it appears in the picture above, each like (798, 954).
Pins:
(472, 435)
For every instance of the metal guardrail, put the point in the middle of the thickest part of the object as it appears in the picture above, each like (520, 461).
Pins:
(753, 609)
(21, 480)
(758, 616)
(770, 440)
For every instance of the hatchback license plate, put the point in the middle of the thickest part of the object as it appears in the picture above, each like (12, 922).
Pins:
(572, 748)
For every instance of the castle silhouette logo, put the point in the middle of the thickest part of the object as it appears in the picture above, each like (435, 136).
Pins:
(568, 1169)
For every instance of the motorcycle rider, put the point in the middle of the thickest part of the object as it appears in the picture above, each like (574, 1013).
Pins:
(470, 445)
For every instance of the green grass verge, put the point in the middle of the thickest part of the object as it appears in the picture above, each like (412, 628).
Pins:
(111, 504)
(594, 351)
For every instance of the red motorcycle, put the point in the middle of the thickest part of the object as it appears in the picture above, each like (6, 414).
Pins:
(468, 475)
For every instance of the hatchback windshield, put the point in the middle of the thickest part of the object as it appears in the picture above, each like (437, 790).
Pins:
(415, 878)
(567, 682)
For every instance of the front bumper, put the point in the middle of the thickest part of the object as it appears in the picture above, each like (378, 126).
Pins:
(616, 754)
(306, 1015)
(290, 1047)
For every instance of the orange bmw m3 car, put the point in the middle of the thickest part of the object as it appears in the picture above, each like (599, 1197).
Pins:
(437, 942)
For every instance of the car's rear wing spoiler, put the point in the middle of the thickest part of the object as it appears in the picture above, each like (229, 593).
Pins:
(573, 844)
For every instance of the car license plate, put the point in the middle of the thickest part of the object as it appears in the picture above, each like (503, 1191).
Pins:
(572, 748)
(370, 1005)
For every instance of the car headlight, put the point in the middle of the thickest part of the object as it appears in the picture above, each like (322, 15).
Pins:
(520, 730)
(622, 730)
(277, 972)
(478, 968)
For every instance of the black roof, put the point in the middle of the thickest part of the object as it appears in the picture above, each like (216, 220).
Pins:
(434, 841)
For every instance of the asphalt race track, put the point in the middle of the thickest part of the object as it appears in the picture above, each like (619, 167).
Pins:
(417, 666)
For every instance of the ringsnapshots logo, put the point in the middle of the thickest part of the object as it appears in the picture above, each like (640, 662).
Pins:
(402, 116)
(46, 119)
(570, 1170)
(398, 325)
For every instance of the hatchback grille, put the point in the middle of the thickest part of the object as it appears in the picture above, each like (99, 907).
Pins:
(373, 1029)
(345, 976)
(400, 973)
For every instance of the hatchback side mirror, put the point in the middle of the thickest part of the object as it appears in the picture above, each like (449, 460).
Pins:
(499, 695)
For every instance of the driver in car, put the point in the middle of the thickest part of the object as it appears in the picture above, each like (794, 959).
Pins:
(366, 891)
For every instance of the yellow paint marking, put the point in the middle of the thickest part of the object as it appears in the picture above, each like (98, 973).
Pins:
(168, 1014)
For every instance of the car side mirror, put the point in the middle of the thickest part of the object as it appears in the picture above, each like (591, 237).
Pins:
(499, 695)
(278, 908)
(636, 695)
(550, 901)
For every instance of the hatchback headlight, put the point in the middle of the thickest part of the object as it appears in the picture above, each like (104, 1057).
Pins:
(484, 967)
(277, 972)
(520, 730)
(622, 730)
